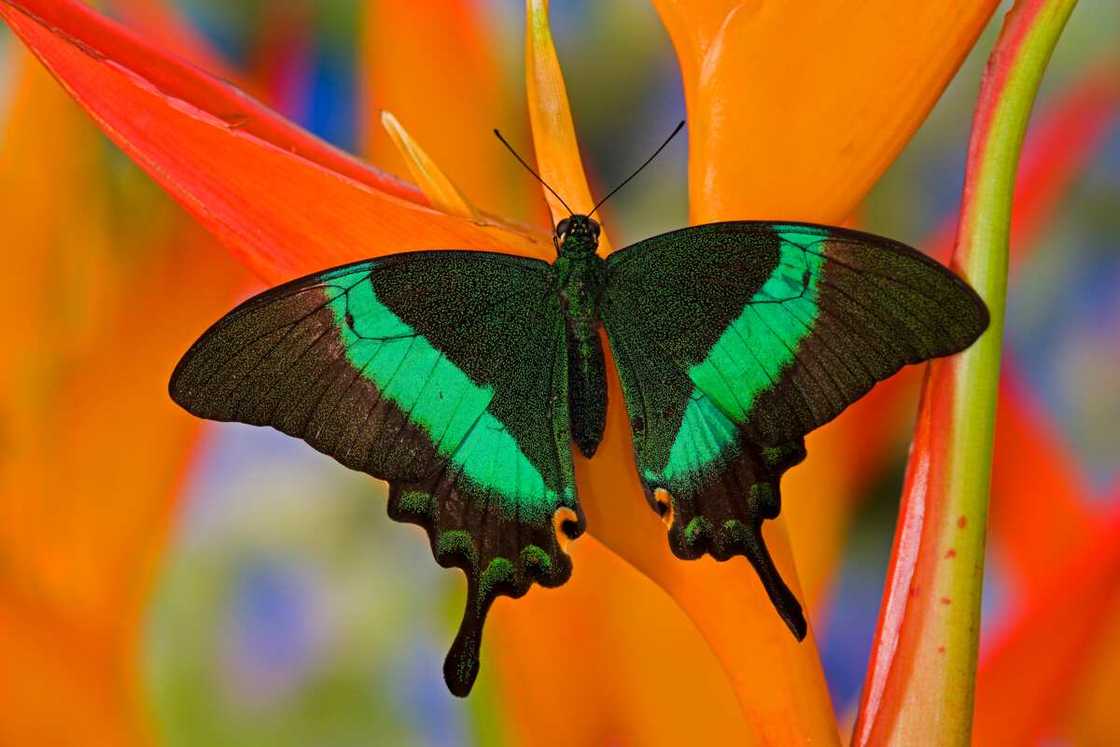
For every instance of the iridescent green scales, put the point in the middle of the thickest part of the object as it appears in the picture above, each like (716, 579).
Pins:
(750, 355)
(437, 395)
(463, 379)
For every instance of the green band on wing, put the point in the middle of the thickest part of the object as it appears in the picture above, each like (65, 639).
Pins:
(762, 341)
(748, 358)
(704, 434)
(434, 394)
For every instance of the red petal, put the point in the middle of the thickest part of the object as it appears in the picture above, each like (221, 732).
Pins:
(1026, 680)
(1038, 510)
(261, 185)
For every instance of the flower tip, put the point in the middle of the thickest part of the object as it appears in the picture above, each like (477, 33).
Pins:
(435, 185)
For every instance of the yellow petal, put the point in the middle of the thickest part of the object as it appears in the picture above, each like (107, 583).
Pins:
(554, 134)
(433, 64)
(432, 182)
(796, 108)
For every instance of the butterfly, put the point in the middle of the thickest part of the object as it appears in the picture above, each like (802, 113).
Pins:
(464, 377)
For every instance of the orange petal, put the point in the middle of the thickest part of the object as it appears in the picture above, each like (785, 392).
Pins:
(554, 133)
(231, 162)
(1091, 717)
(81, 519)
(61, 687)
(796, 109)
(619, 649)
(778, 682)
(434, 65)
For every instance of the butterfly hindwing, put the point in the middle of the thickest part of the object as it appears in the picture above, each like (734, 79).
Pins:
(444, 373)
(734, 340)
(718, 486)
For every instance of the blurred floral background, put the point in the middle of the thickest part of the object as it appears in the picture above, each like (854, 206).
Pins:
(274, 601)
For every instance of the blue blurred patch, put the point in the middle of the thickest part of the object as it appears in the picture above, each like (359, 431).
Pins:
(436, 716)
(271, 632)
(332, 111)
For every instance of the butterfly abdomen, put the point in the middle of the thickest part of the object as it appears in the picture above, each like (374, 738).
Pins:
(580, 285)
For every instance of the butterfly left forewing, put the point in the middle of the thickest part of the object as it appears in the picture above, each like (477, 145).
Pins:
(442, 372)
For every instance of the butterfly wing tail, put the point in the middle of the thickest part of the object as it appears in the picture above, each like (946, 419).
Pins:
(720, 511)
(501, 550)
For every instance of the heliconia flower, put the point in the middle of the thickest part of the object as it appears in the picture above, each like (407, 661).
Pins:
(775, 133)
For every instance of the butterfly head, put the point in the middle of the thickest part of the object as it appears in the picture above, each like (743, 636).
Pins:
(577, 236)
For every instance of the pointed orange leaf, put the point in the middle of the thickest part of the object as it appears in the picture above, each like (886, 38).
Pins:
(796, 109)
(554, 133)
(436, 186)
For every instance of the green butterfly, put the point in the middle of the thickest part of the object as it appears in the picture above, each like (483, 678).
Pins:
(463, 377)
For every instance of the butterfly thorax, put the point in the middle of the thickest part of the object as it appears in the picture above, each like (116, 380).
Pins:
(580, 280)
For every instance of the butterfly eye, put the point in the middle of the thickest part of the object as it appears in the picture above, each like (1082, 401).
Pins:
(562, 227)
(594, 227)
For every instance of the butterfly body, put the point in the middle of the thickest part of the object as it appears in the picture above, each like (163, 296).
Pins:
(581, 279)
(463, 378)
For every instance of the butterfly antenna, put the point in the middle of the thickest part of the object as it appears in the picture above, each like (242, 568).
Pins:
(639, 169)
(529, 168)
